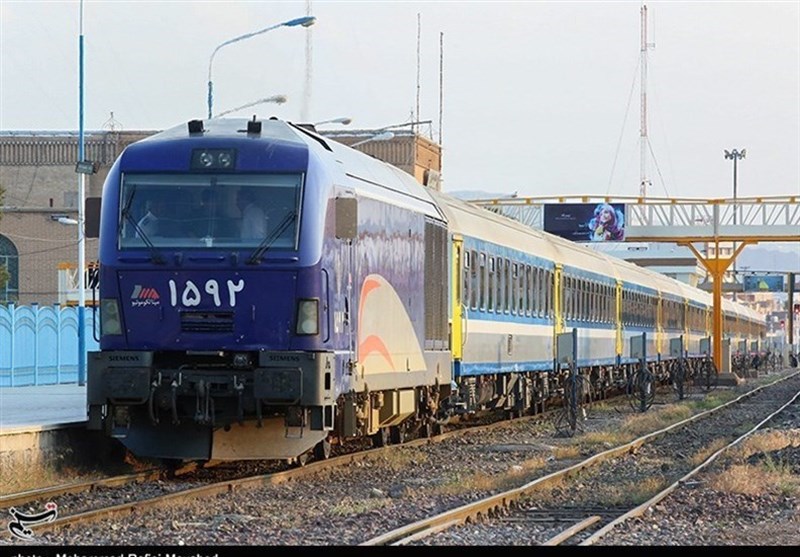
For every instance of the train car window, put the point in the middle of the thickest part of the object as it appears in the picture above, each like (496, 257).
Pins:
(502, 294)
(475, 285)
(585, 310)
(467, 280)
(516, 306)
(491, 283)
(624, 307)
(545, 293)
(604, 303)
(508, 291)
(527, 289)
(499, 280)
(538, 291)
(548, 286)
(569, 296)
(482, 279)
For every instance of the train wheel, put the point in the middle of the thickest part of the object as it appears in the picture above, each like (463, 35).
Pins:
(426, 430)
(301, 460)
(397, 434)
(381, 437)
(322, 450)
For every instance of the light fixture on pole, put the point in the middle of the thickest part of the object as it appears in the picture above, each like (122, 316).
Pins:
(345, 121)
(385, 136)
(735, 155)
(277, 99)
(306, 21)
(406, 124)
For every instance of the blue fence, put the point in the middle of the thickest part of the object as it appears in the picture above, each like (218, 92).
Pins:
(39, 345)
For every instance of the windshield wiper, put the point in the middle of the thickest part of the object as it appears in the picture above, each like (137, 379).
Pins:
(273, 235)
(126, 213)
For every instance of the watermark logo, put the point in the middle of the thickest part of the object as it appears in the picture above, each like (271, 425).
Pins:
(145, 296)
(20, 525)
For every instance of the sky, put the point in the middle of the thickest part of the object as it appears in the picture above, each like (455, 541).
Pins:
(538, 98)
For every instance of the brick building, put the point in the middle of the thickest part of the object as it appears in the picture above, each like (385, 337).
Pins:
(37, 172)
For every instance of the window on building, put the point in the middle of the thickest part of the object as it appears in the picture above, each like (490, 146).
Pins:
(9, 262)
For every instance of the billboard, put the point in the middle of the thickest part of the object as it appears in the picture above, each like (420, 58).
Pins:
(586, 222)
(763, 283)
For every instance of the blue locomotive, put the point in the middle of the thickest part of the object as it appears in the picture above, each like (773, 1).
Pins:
(266, 292)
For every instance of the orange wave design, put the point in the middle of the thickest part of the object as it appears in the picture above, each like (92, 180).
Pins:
(374, 344)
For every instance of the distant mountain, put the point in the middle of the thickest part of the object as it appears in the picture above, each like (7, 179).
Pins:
(477, 194)
(763, 258)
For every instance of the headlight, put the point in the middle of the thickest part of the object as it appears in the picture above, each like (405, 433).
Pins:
(307, 317)
(110, 323)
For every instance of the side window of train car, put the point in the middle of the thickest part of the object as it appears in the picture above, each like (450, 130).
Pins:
(541, 292)
(501, 284)
(502, 294)
(516, 303)
(528, 290)
(490, 285)
(508, 303)
(569, 300)
(548, 290)
(475, 284)
(585, 285)
(482, 279)
(467, 278)
(498, 284)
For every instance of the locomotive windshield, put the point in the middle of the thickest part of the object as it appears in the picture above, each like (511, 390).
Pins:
(209, 211)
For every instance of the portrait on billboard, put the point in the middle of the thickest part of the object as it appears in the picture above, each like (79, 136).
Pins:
(607, 224)
(586, 222)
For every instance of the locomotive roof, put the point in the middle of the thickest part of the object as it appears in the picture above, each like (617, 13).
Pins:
(366, 175)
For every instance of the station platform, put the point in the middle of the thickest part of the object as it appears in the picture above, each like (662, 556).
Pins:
(41, 406)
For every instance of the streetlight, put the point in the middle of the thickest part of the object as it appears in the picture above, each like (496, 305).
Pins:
(278, 99)
(406, 124)
(735, 155)
(345, 121)
(82, 170)
(380, 137)
(306, 21)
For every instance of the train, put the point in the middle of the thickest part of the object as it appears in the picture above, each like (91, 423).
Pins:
(369, 307)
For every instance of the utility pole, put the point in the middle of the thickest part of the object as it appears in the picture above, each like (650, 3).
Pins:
(790, 316)
(643, 181)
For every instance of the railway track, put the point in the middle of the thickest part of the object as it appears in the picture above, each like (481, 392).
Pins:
(571, 506)
(331, 492)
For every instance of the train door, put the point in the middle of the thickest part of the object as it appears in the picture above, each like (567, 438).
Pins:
(458, 276)
(346, 214)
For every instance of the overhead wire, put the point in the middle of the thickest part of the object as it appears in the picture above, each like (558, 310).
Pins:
(624, 121)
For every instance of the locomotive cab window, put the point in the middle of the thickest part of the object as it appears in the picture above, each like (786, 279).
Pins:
(209, 211)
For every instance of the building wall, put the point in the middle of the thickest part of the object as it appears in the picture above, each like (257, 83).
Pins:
(37, 172)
